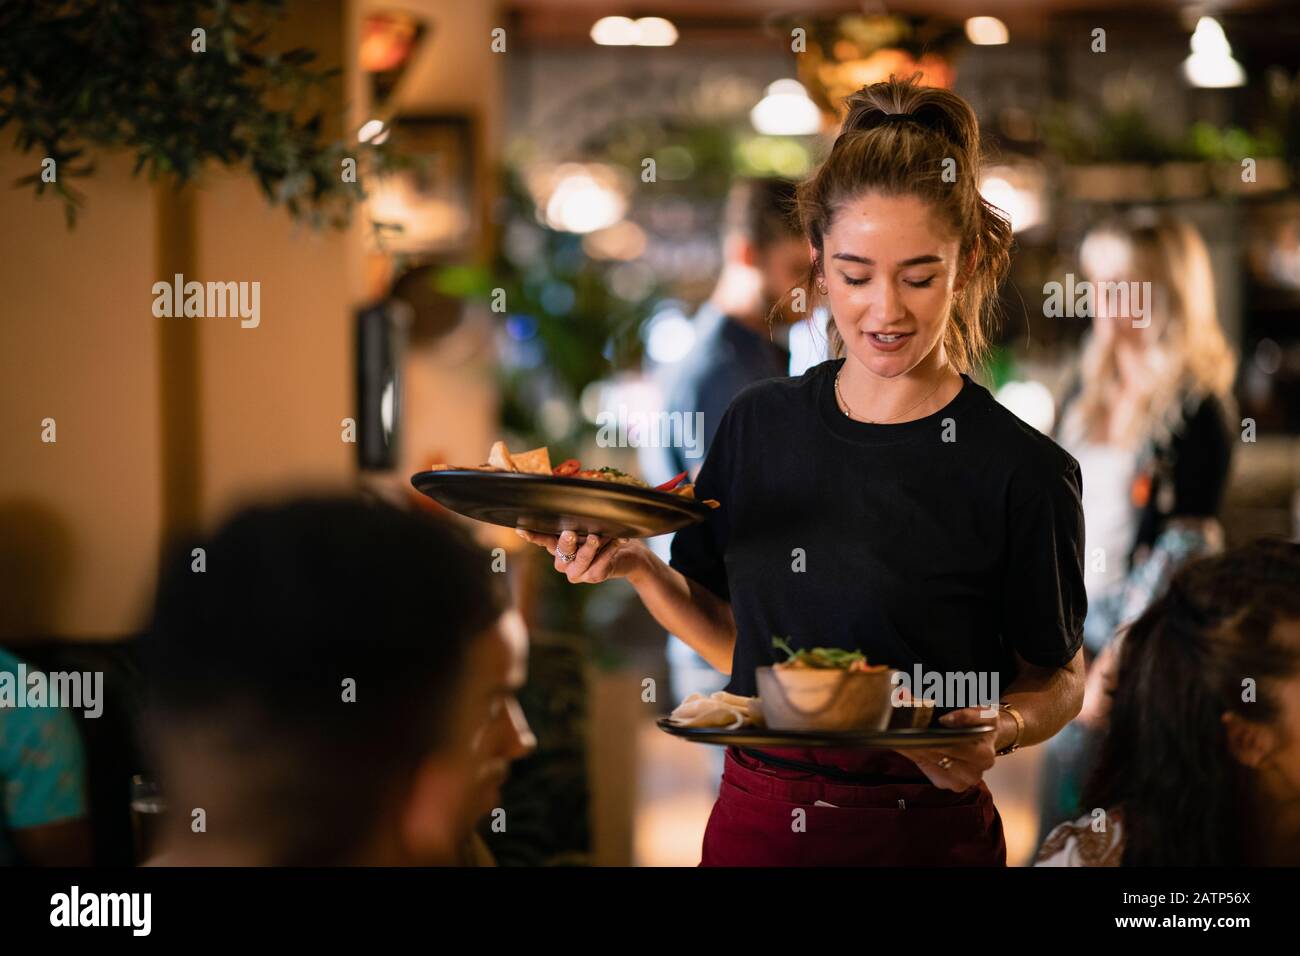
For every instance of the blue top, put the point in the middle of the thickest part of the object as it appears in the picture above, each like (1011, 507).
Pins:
(41, 764)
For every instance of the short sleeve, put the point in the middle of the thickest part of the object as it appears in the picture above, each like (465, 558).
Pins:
(41, 767)
(1044, 601)
(698, 550)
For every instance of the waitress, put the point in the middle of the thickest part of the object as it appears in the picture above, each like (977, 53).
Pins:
(884, 502)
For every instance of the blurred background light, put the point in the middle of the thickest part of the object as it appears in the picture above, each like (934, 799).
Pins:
(669, 334)
(614, 31)
(521, 328)
(631, 281)
(624, 31)
(1019, 191)
(986, 31)
(1031, 402)
(1211, 64)
(370, 130)
(786, 110)
(624, 240)
(579, 198)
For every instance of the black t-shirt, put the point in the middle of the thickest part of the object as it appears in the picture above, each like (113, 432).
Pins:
(947, 542)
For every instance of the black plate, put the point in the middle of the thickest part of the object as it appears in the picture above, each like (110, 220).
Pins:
(549, 505)
(900, 738)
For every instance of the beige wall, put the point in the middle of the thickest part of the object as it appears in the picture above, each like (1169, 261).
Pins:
(82, 520)
(79, 519)
(161, 427)
(272, 397)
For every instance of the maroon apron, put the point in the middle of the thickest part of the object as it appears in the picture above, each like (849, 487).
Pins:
(861, 808)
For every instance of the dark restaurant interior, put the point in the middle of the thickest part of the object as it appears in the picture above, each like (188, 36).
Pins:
(448, 224)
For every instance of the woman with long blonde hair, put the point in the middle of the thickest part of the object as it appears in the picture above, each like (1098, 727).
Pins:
(1148, 421)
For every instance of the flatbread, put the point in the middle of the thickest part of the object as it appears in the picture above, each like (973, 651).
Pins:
(535, 462)
(500, 457)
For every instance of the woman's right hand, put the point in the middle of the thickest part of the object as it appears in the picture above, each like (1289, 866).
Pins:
(596, 559)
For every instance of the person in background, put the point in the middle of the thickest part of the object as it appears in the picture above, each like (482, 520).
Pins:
(337, 686)
(1200, 765)
(42, 785)
(741, 333)
(1147, 418)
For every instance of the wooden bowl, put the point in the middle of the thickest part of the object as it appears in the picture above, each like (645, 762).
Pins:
(808, 698)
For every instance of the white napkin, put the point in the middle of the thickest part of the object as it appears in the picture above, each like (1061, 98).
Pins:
(719, 709)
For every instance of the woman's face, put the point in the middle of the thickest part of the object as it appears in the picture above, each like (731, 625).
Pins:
(1110, 260)
(890, 268)
(1274, 748)
(1286, 756)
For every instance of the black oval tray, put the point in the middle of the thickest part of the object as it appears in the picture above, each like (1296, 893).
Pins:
(548, 504)
(898, 738)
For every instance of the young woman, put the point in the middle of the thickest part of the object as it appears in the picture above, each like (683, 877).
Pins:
(882, 501)
(1147, 419)
(1201, 764)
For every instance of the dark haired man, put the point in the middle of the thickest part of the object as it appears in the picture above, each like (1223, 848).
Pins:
(764, 257)
(332, 682)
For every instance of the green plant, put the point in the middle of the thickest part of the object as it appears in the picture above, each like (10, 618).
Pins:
(1130, 135)
(180, 83)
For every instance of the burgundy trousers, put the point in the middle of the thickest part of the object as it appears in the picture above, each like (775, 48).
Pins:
(898, 818)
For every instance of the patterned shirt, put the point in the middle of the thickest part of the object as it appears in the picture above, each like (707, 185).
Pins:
(41, 766)
(1083, 843)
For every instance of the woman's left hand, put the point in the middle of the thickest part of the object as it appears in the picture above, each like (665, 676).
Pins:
(966, 761)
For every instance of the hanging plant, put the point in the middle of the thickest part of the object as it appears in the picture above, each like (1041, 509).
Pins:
(179, 83)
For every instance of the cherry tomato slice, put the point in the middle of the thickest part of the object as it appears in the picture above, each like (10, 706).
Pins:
(670, 483)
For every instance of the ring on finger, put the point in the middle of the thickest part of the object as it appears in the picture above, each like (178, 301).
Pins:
(945, 762)
(566, 558)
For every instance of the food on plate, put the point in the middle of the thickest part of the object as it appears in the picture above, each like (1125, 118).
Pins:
(823, 658)
(719, 709)
(824, 688)
(537, 461)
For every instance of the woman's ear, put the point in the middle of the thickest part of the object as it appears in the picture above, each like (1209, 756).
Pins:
(1248, 742)
(815, 268)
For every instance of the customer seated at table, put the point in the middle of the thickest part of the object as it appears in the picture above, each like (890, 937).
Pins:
(42, 782)
(335, 685)
(1201, 761)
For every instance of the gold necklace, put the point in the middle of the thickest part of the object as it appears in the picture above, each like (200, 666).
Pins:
(844, 405)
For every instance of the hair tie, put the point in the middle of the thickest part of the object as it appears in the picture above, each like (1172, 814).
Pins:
(899, 118)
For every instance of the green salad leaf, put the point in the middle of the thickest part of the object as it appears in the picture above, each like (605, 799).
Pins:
(823, 657)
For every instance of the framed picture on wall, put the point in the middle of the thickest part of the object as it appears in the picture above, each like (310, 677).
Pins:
(435, 200)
